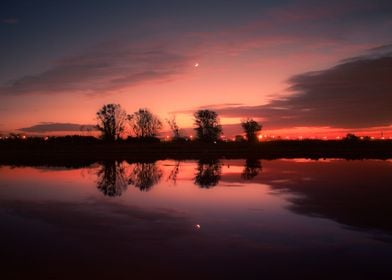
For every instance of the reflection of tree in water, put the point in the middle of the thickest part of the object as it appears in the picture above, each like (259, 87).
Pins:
(208, 173)
(145, 175)
(112, 180)
(174, 173)
(252, 168)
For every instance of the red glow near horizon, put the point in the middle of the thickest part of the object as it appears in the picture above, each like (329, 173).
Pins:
(191, 90)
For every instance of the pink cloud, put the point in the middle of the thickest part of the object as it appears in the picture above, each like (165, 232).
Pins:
(103, 69)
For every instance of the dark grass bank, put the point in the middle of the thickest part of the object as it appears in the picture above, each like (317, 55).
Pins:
(68, 153)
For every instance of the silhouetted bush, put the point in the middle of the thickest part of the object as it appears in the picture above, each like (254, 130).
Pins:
(179, 140)
(351, 137)
(151, 139)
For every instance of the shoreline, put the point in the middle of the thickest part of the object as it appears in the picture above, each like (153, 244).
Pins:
(67, 153)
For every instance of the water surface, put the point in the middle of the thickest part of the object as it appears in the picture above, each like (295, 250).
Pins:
(244, 219)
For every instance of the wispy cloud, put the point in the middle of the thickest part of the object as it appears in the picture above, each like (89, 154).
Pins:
(45, 127)
(305, 26)
(208, 106)
(102, 69)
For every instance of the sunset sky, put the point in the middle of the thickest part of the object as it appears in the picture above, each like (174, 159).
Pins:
(299, 67)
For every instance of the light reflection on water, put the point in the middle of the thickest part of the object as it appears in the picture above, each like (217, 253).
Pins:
(192, 219)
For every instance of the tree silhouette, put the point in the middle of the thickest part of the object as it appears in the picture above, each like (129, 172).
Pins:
(173, 174)
(252, 168)
(208, 173)
(145, 175)
(207, 124)
(112, 180)
(145, 124)
(251, 127)
(174, 127)
(111, 121)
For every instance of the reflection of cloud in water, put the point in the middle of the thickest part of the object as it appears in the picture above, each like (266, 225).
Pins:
(100, 217)
(353, 193)
(91, 239)
(232, 185)
(280, 181)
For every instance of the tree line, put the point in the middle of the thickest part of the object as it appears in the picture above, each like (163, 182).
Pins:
(112, 121)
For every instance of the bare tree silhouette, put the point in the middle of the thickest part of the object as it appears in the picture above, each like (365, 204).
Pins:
(111, 121)
(145, 124)
(174, 127)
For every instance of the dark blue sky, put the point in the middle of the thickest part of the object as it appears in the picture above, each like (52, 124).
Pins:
(45, 30)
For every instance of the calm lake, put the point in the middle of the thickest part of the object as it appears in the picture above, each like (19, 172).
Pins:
(243, 219)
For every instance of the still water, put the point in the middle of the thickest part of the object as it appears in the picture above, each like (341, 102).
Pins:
(227, 219)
